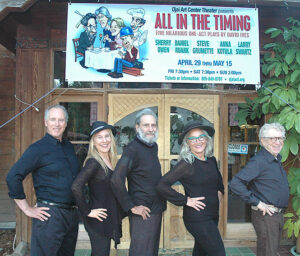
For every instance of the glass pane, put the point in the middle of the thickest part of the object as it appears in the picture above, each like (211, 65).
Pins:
(178, 232)
(81, 151)
(126, 129)
(178, 118)
(239, 152)
(244, 133)
(81, 116)
(238, 210)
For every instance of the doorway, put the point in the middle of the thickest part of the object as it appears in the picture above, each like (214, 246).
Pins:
(173, 111)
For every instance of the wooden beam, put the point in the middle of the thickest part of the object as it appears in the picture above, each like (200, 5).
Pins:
(24, 8)
(8, 41)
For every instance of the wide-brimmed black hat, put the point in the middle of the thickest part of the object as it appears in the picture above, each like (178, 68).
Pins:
(99, 126)
(195, 124)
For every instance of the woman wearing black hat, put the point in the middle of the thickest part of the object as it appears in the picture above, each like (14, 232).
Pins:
(198, 173)
(101, 215)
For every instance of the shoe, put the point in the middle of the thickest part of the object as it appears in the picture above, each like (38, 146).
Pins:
(82, 64)
(115, 75)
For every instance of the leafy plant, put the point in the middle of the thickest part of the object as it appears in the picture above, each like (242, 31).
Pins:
(293, 219)
(279, 97)
(280, 92)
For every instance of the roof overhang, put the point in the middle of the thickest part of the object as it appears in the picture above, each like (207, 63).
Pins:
(8, 6)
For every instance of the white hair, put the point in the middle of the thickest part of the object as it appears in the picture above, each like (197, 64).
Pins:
(188, 156)
(146, 111)
(46, 117)
(264, 130)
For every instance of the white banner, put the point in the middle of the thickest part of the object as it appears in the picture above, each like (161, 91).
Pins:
(162, 43)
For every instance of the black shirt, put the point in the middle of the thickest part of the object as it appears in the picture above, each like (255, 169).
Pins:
(54, 167)
(202, 178)
(140, 164)
(266, 180)
(100, 196)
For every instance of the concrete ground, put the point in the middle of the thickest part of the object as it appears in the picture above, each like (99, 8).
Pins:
(230, 251)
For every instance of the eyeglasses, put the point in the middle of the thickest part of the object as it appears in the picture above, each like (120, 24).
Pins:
(92, 27)
(274, 139)
(201, 137)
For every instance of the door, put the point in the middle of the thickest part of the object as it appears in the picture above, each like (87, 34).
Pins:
(239, 144)
(173, 111)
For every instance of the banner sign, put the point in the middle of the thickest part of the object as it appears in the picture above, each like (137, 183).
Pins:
(162, 43)
(238, 149)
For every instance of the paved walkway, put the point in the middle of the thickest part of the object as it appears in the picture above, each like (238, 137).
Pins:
(230, 251)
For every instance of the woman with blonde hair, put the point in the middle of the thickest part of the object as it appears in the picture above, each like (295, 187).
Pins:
(115, 27)
(101, 214)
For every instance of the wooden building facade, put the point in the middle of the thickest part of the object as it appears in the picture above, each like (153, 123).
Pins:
(36, 39)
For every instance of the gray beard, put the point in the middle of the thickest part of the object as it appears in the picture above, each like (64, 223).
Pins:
(91, 36)
(144, 138)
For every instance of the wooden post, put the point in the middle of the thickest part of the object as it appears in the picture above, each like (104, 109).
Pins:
(32, 82)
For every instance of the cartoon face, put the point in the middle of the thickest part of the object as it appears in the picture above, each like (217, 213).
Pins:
(127, 41)
(102, 19)
(136, 23)
(114, 28)
(91, 27)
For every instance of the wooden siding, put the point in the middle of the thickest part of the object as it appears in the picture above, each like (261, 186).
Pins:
(7, 133)
(7, 110)
(34, 75)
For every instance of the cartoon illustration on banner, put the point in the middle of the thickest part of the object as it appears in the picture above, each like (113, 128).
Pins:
(107, 45)
(177, 44)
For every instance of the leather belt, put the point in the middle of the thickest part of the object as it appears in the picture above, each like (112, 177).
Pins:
(273, 208)
(59, 205)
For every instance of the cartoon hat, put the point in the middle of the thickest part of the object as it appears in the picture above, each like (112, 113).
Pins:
(136, 12)
(99, 126)
(195, 124)
(103, 10)
(125, 31)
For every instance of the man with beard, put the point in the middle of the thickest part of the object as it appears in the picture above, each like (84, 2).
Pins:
(140, 165)
(88, 36)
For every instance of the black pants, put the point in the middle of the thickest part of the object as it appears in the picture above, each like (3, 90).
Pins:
(145, 235)
(208, 241)
(268, 230)
(56, 236)
(100, 244)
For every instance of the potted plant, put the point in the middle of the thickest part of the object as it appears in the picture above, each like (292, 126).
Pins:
(279, 99)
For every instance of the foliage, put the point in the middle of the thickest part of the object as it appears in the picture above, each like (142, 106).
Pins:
(279, 97)
(280, 92)
(292, 223)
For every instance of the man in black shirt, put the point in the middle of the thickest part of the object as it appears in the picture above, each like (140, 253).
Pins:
(263, 184)
(53, 165)
(140, 165)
